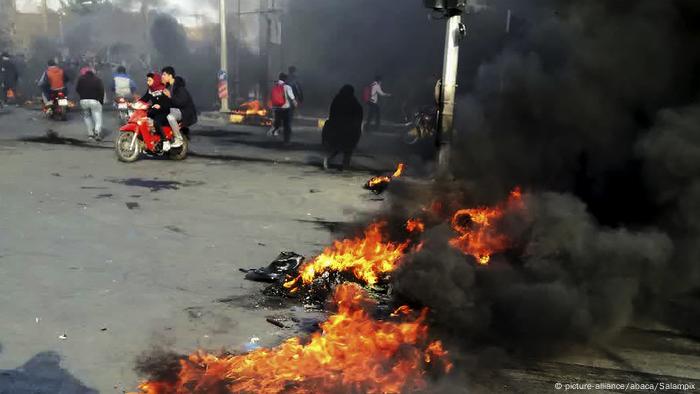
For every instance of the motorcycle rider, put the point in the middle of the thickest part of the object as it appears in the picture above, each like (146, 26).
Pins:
(160, 105)
(122, 85)
(183, 109)
(52, 81)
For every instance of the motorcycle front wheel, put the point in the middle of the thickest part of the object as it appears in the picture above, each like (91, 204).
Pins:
(126, 148)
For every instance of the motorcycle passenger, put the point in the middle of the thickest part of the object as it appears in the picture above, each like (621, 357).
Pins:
(160, 105)
(52, 81)
(122, 84)
(183, 109)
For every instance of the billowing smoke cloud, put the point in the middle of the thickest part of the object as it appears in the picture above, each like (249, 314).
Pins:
(566, 279)
(590, 107)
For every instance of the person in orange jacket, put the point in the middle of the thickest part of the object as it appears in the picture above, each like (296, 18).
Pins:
(52, 81)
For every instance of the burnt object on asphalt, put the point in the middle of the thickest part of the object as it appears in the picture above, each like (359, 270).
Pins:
(286, 264)
(379, 184)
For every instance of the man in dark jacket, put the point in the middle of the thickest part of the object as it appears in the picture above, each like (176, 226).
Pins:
(183, 110)
(8, 77)
(92, 93)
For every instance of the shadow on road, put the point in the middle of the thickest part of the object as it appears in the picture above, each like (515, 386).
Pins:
(41, 375)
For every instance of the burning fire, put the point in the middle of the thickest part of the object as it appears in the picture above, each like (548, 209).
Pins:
(477, 235)
(352, 353)
(379, 183)
(251, 111)
(415, 226)
(368, 258)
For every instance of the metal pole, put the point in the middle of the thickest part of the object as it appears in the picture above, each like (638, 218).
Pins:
(45, 16)
(237, 53)
(224, 52)
(62, 36)
(264, 50)
(449, 87)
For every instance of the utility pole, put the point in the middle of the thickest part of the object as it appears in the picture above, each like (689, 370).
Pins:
(238, 32)
(264, 32)
(452, 10)
(45, 16)
(223, 73)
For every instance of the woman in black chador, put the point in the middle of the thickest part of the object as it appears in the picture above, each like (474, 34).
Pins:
(342, 131)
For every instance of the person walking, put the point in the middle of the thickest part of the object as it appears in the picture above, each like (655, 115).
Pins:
(293, 81)
(8, 78)
(92, 92)
(372, 94)
(283, 101)
(343, 129)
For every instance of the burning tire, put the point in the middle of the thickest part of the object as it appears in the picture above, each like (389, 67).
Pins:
(127, 147)
(181, 152)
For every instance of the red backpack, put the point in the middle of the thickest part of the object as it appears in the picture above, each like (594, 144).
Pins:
(367, 93)
(278, 97)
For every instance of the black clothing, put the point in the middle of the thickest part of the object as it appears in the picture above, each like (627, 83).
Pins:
(182, 100)
(296, 88)
(343, 130)
(283, 118)
(159, 98)
(90, 87)
(159, 115)
(160, 119)
(8, 74)
(373, 113)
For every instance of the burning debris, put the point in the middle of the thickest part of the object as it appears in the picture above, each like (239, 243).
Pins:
(353, 353)
(369, 258)
(478, 235)
(285, 265)
(251, 113)
(379, 184)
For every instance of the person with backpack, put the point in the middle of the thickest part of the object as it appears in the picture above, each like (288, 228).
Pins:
(371, 97)
(282, 101)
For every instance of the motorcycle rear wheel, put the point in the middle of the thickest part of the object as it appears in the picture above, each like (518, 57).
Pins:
(412, 136)
(122, 146)
(181, 152)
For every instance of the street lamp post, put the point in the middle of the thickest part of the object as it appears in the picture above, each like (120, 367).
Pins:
(223, 73)
(453, 10)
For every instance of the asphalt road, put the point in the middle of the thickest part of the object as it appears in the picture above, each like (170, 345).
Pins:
(101, 261)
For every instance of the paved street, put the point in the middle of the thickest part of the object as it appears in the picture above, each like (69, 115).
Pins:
(116, 258)
(100, 260)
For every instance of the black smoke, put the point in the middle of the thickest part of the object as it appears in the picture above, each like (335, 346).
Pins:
(591, 107)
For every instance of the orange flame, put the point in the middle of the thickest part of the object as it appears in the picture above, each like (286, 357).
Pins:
(478, 237)
(399, 170)
(415, 225)
(368, 258)
(379, 180)
(251, 108)
(351, 353)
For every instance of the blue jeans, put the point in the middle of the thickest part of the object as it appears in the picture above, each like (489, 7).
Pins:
(92, 115)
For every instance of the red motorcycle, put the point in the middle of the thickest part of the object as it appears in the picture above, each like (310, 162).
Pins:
(139, 136)
(57, 108)
(124, 109)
